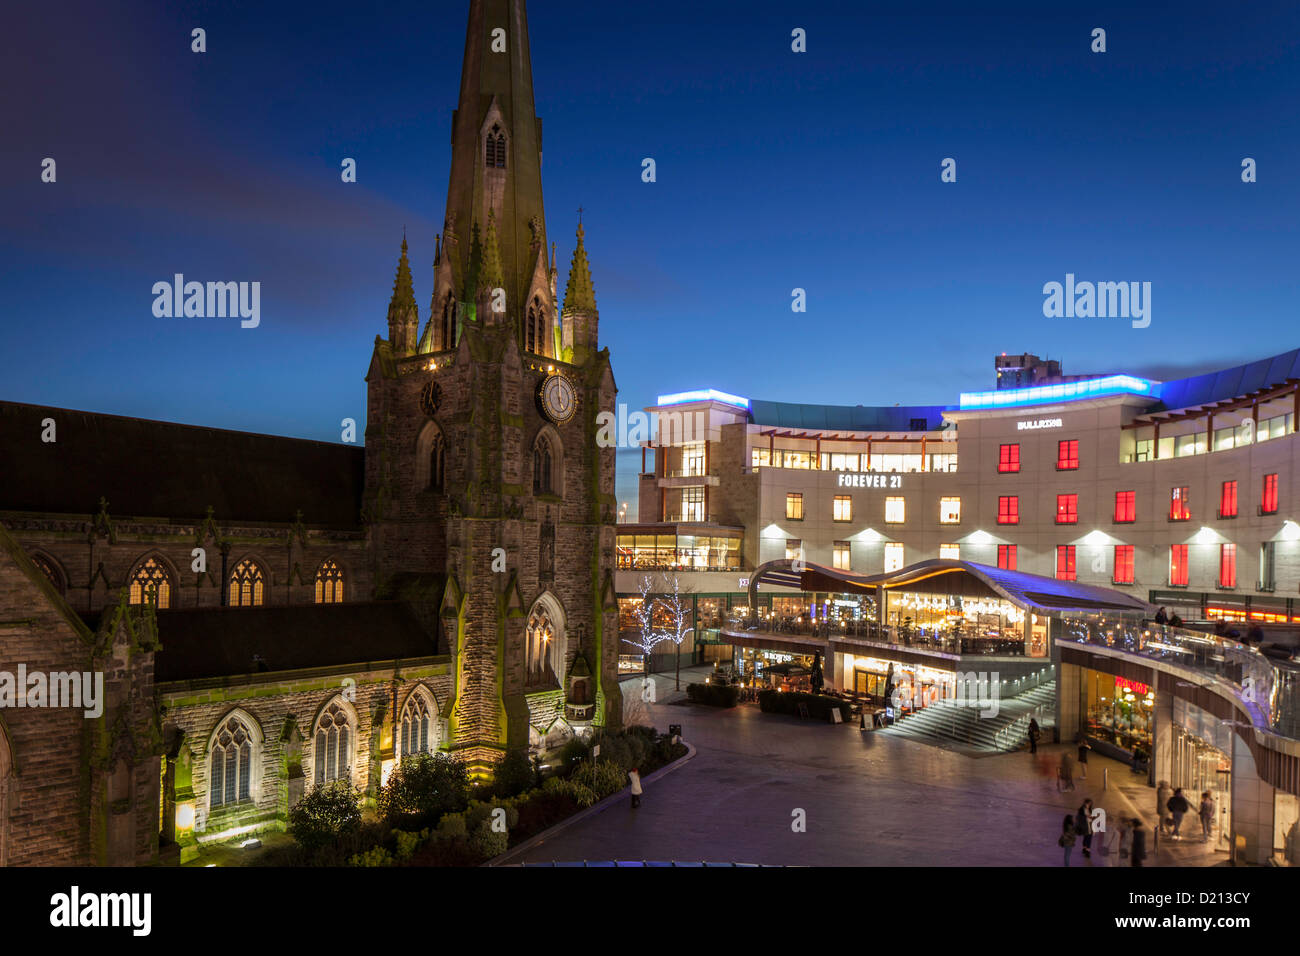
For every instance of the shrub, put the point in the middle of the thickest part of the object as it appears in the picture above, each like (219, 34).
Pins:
(423, 788)
(325, 813)
(601, 778)
(513, 775)
(572, 753)
(375, 856)
(715, 695)
(819, 707)
(582, 795)
(614, 749)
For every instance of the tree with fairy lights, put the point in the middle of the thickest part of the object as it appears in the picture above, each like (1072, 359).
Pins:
(678, 611)
(647, 638)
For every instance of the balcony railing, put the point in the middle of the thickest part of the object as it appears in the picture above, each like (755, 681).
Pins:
(1269, 688)
(883, 635)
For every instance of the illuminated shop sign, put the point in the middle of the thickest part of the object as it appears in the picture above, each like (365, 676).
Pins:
(1035, 423)
(1137, 687)
(850, 480)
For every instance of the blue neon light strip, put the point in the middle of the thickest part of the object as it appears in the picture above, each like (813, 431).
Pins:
(1064, 392)
(704, 395)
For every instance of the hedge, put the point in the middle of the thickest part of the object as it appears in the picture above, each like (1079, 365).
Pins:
(715, 695)
(787, 702)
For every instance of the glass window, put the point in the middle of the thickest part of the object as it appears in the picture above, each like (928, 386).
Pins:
(1008, 509)
(1227, 565)
(1067, 455)
(759, 458)
(1008, 458)
(841, 555)
(797, 459)
(692, 504)
(1228, 500)
(1007, 557)
(843, 508)
(1125, 506)
(1178, 565)
(793, 549)
(151, 584)
(1123, 564)
(693, 459)
(1180, 506)
(329, 583)
(950, 551)
(1145, 449)
(895, 510)
(893, 556)
(333, 745)
(1067, 509)
(246, 585)
(1065, 563)
(1268, 503)
(949, 510)
(232, 764)
(794, 506)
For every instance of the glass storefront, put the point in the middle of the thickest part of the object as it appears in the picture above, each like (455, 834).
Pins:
(1201, 762)
(672, 552)
(1286, 829)
(1117, 710)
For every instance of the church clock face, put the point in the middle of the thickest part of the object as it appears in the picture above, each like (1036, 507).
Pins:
(559, 398)
(430, 398)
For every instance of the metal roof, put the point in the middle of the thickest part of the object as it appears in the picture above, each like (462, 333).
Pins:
(861, 418)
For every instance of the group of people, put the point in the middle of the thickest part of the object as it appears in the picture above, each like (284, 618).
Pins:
(1126, 842)
(1172, 806)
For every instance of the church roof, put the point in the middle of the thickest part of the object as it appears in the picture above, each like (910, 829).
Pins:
(160, 469)
(227, 642)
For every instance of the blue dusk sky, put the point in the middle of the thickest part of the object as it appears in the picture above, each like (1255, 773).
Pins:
(776, 171)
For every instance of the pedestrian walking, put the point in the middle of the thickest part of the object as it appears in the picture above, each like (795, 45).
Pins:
(1178, 807)
(1207, 815)
(1065, 780)
(634, 778)
(1034, 734)
(1083, 746)
(1083, 826)
(1067, 837)
(1139, 852)
(1163, 793)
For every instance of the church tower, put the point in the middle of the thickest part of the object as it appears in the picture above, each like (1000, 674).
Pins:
(485, 484)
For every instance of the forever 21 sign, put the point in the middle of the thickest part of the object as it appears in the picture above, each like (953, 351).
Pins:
(869, 481)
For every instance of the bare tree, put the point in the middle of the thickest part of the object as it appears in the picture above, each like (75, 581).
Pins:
(647, 638)
(678, 611)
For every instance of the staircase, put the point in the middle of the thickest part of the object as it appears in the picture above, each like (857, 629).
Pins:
(960, 726)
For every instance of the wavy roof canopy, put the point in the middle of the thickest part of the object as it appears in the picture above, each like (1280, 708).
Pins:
(1231, 382)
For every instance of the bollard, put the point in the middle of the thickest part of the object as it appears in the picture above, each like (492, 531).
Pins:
(1105, 778)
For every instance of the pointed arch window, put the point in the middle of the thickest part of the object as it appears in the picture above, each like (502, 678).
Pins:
(333, 745)
(329, 583)
(437, 464)
(230, 776)
(246, 584)
(151, 584)
(537, 328)
(543, 468)
(448, 323)
(540, 640)
(494, 152)
(417, 732)
(48, 568)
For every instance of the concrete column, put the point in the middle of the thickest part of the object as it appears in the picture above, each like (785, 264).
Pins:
(1252, 806)
(1162, 731)
(1068, 718)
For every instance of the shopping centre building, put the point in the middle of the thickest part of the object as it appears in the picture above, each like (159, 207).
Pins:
(798, 528)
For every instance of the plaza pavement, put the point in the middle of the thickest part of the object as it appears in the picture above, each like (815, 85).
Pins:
(869, 799)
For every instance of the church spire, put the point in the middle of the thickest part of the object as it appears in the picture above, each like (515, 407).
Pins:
(497, 147)
(403, 313)
(580, 318)
(491, 277)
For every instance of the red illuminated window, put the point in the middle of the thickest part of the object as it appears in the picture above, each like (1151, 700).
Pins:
(1125, 506)
(1180, 505)
(1123, 564)
(1268, 505)
(1065, 570)
(1009, 509)
(1227, 565)
(1008, 458)
(1067, 455)
(1228, 500)
(1067, 509)
(1178, 565)
(1007, 557)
